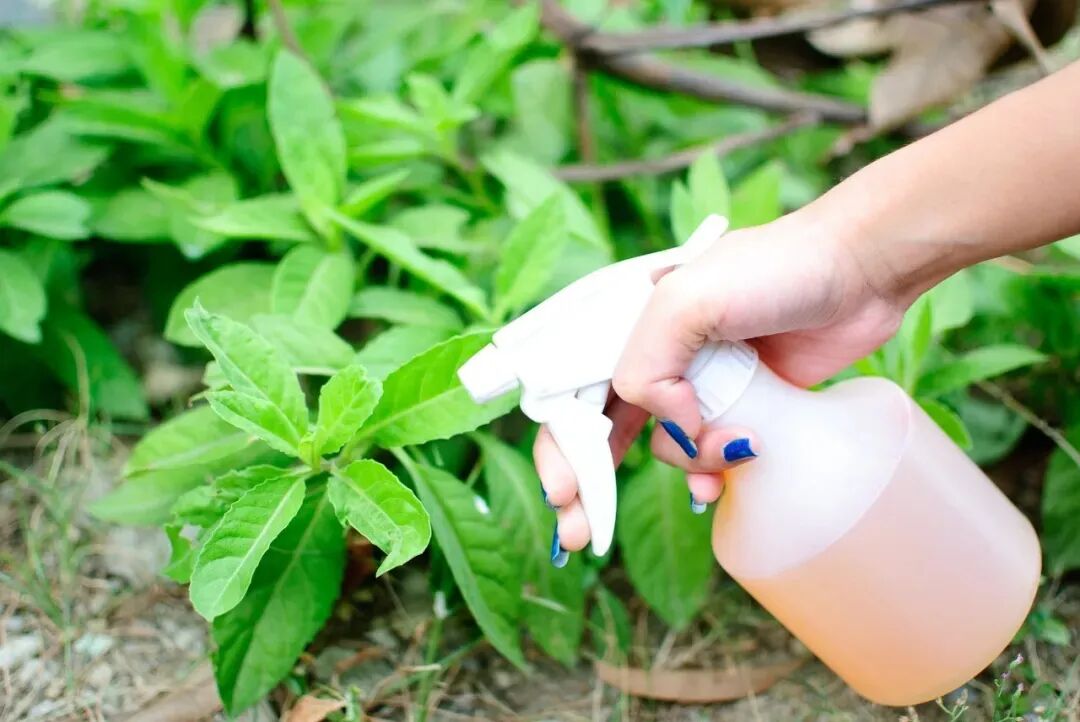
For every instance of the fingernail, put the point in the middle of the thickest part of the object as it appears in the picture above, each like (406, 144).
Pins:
(675, 432)
(543, 493)
(559, 556)
(696, 506)
(738, 449)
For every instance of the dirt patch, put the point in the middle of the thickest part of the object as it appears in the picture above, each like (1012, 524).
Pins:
(88, 631)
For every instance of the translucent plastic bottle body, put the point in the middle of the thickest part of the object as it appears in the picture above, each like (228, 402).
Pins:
(873, 538)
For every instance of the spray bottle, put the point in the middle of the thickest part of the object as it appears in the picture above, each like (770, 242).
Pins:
(861, 527)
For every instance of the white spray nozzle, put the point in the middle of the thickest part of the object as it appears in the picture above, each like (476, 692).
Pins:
(563, 354)
(487, 375)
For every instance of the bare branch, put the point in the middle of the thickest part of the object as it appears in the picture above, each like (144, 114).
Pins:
(682, 158)
(649, 72)
(281, 22)
(726, 33)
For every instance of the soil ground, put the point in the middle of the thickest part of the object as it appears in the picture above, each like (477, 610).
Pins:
(89, 631)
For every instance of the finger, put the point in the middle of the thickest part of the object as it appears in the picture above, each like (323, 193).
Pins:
(627, 421)
(572, 527)
(671, 330)
(718, 448)
(557, 479)
(704, 489)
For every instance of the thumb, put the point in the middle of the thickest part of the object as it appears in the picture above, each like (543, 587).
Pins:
(671, 330)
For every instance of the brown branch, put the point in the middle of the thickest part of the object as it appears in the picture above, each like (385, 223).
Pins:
(281, 22)
(683, 158)
(726, 33)
(586, 147)
(649, 72)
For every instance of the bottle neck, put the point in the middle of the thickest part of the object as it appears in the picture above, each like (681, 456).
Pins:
(765, 401)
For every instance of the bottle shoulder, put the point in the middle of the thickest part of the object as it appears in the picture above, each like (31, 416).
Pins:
(824, 459)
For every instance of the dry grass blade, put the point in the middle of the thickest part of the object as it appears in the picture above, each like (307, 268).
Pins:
(195, 700)
(310, 708)
(695, 686)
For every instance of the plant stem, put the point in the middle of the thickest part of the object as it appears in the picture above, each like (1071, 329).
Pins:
(428, 680)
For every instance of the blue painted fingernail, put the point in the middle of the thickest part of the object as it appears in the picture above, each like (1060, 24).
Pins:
(696, 506)
(675, 432)
(738, 449)
(559, 556)
(543, 493)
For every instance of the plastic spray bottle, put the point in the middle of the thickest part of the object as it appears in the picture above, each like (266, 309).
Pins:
(861, 527)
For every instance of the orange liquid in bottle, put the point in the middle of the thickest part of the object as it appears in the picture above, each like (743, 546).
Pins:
(923, 572)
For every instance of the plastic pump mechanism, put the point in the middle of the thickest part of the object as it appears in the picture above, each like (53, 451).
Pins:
(563, 354)
(861, 526)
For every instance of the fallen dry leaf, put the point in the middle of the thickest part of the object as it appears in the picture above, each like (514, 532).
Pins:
(310, 708)
(937, 54)
(695, 686)
(196, 699)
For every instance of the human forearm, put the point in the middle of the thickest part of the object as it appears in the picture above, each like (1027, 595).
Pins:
(1004, 179)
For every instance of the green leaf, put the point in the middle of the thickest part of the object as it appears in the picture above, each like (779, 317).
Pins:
(22, 299)
(181, 555)
(257, 416)
(389, 351)
(610, 627)
(370, 499)
(913, 341)
(484, 567)
(81, 355)
(705, 192)
(490, 55)
(239, 63)
(345, 403)
(396, 305)
(290, 598)
(49, 154)
(55, 214)
(400, 250)
(238, 290)
(756, 200)
(948, 420)
(310, 142)
(977, 365)
(187, 203)
(1070, 245)
(529, 185)
(424, 399)
(71, 55)
(365, 196)
(201, 506)
(391, 150)
(708, 187)
(269, 218)
(308, 350)
(554, 606)
(952, 303)
(313, 286)
(437, 226)
(193, 438)
(183, 453)
(995, 429)
(437, 107)
(683, 214)
(133, 214)
(227, 561)
(542, 108)
(1061, 509)
(265, 390)
(529, 256)
(664, 545)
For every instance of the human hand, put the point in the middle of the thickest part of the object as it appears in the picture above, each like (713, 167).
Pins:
(795, 288)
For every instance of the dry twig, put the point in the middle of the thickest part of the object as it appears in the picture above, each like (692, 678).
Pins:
(727, 33)
(683, 158)
(649, 72)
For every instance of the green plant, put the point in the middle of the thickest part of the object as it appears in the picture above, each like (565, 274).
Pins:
(340, 224)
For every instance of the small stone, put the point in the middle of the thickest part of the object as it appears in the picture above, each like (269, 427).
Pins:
(93, 645)
(14, 624)
(100, 676)
(18, 650)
